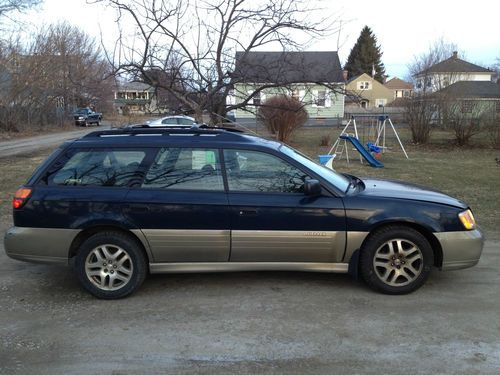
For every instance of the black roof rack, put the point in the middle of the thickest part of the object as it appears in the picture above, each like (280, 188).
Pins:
(195, 130)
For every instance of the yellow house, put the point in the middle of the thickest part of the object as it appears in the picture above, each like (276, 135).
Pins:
(366, 92)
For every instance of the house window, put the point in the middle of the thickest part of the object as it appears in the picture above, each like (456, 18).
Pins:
(364, 85)
(296, 94)
(321, 101)
(380, 102)
(256, 99)
(467, 106)
(406, 93)
(231, 98)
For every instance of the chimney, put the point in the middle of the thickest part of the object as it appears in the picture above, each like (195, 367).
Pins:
(344, 75)
(455, 54)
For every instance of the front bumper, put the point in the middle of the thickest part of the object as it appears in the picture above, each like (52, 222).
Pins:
(460, 249)
(40, 245)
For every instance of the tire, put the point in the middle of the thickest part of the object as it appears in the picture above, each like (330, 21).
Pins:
(396, 260)
(110, 265)
(98, 123)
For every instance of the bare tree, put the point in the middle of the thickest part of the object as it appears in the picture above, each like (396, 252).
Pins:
(9, 6)
(419, 72)
(195, 43)
(282, 115)
(496, 69)
(41, 83)
(8, 10)
(423, 111)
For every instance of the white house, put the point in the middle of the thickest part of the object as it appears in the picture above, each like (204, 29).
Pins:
(449, 71)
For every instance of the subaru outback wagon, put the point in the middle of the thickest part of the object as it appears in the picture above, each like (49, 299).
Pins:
(119, 204)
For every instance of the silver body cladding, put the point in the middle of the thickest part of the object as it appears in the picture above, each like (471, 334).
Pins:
(224, 250)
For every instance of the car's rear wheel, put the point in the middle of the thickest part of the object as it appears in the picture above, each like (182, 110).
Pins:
(110, 265)
(396, 260)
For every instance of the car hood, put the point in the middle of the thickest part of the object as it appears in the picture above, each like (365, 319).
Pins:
(403, 190)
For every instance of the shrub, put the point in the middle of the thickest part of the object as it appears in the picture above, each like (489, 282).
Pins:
(282, 115)
(324, 140)
(465, 120)
(419, 115)
(492, 126)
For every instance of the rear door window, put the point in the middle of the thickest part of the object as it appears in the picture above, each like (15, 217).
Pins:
(97, 168)
(185, 169)
(169, 121)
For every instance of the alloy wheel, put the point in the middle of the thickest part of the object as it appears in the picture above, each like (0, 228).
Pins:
(109, 267)
(398, 262)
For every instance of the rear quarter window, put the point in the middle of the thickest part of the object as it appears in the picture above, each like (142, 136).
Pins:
(96, 168)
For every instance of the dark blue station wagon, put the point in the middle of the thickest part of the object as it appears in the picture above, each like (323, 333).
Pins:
(118, 204)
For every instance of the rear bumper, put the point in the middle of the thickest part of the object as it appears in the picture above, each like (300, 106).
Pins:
(460, 249)
(39, 245)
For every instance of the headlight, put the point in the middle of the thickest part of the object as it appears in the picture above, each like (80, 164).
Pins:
(80, 118)
(467, 219)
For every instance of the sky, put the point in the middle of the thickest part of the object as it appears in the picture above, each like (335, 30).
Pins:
(403, 29)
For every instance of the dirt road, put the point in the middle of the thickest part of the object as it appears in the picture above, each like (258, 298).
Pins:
(31, 144)
(266, 323)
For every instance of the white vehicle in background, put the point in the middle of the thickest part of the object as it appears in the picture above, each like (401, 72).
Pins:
(173, 121)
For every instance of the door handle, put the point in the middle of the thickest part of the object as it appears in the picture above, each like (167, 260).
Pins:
(247, 212)
(136, 208)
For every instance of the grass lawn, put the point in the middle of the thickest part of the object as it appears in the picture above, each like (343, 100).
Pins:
(470, 174)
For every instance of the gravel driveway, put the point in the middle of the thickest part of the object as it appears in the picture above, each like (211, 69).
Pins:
(293, 323)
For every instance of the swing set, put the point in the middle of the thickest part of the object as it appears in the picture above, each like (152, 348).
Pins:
(378, 127)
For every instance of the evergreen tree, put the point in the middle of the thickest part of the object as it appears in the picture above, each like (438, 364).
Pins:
(366, 56)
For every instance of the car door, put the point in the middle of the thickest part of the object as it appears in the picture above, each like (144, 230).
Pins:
(182, 207)
(272, 220)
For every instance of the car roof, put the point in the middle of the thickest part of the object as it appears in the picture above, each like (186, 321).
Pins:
(175, 116)
(179, 116)
(160, 137)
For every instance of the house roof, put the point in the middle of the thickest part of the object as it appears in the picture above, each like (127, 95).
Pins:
(398, 84)
(364, 75)
(473, 89)
(454, 65)
(287, 67)
(134, 86)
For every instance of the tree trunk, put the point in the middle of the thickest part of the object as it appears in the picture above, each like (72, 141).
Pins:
(198, 115)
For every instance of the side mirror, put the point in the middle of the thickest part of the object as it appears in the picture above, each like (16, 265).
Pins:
(312, 188)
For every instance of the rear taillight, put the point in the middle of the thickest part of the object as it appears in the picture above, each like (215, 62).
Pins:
(20, 197)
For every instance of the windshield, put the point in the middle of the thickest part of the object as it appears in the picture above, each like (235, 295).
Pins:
(335, 178)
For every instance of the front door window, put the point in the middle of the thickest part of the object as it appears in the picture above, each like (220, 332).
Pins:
(252, 171)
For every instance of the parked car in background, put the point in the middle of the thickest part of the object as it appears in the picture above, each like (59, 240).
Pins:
(120, 204)
(173, 121)
(86, 117)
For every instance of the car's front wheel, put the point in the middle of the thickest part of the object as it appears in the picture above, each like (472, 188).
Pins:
(396, 260)
(110, 265)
